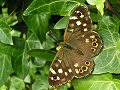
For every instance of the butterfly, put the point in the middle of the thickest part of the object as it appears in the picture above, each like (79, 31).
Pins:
(81, 43)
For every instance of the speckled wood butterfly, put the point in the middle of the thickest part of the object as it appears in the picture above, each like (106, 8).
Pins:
(74, 59)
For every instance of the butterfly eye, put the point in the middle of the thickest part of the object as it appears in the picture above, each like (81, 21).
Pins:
(84, 68)
(54, 77)
(81, 71)
(78, 13)
(94, 44)
(87, 63)
(93, 50)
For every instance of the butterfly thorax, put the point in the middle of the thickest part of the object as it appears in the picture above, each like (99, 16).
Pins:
(68, 46)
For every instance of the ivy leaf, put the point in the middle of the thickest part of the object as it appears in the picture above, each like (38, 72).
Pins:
(38, 24)
(17, 84)
(105, 82)
(48, 43)
(99, 4)
(21, 65)
(33, 42)
(55, 7)
(42, 54)
(109, 59)
(5, 35)
(62, 23)
(41, 83)
(5, 68)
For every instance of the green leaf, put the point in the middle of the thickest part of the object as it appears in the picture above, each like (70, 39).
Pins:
(9, 50)
(63, 87)
(41, 83)
(5, 35)
(48, 43)
(95, 16)
(17, 84)
(57, 7)
(3, 87)
(99, 4)
(97, 82)
(38, 24)
(62, 23)
(109, 59)
(38, 62)
(42, 54)
(33, 42)
(21, 65)
(5, 68)
(45, 70)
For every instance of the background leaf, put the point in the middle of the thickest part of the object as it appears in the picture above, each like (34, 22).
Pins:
(108, 59)
(5, 69)
(5, 35)
(17, 84)
(42, 54)
(59, 7)
(105, 82)
(38, 24)
(99, 5)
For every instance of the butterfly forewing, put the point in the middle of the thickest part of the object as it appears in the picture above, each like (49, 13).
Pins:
(79, 23)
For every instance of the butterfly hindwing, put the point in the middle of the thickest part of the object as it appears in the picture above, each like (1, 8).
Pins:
(79, 64)
(90, 43)
(59, 73)
(68, 65)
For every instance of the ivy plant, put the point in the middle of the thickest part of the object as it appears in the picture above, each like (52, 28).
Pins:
(30, 31)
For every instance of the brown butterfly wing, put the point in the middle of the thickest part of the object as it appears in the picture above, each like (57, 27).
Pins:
(90, 43)
(79, 33)
(58, 74)
(79, 23)
(68, 64)
(79, 64)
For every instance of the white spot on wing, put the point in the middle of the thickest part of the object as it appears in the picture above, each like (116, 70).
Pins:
(58, 78)
(71, 30)
(78, 23)
(77, 71)
(59, 60)
(66, 73)
(60, 70)
(92, 36)
(77, 11)
(76, 65)
(52, 78)
(52, 71)
(73, 17)
(70, 70)
(87, 40)
(88, 13)
(84, 24)
(82, 16)
(85, 29)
